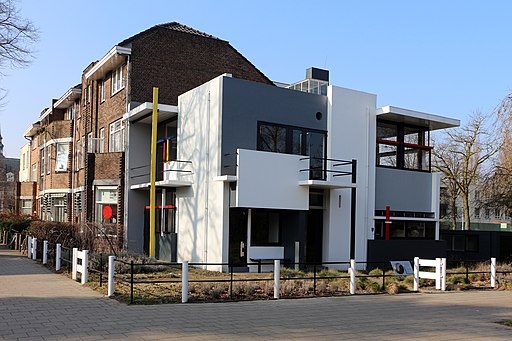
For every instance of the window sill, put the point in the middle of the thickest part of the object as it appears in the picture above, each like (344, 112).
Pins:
(117, 91)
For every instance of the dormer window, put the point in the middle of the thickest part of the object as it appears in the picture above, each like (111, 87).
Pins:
(403, 146)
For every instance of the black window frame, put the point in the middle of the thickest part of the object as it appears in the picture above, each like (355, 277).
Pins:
(401, 145)
(289, 130)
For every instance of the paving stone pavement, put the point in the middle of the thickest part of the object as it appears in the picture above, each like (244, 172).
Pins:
(36, 304)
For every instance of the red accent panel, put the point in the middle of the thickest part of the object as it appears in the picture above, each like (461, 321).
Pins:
(166, 206)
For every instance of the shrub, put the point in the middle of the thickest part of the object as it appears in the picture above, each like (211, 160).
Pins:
(291, 273)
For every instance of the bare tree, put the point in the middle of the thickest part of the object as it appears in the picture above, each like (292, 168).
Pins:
(17, 36)
(462, 155)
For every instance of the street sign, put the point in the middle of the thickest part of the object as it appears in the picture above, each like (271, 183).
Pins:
(402, 267)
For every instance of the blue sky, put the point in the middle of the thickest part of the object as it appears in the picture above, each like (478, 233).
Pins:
(442, 57)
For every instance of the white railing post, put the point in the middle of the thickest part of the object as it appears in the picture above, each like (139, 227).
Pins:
(438, 273)
(416, 273)
(85, 266)
(111, 275)
(277, 278)
(58, 254)
(443, 274)
(352, 272)
(34, 248)
(184, 281)
(74, 263)
(29, 247)
(45, 251)
(493, 272)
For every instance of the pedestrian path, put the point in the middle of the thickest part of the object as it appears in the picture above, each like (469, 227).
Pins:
(36, 304)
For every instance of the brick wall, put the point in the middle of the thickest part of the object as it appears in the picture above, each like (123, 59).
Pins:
(176, 62)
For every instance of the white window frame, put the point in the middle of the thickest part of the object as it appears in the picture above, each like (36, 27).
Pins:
(90, 147)
(117, 79)
(98, 216)
(49, 159)
(62, 156)
(26, 206)
(103, 90)
(116, 136)
(82, 161)
(34, 172)
(102, 141)
(42, 159)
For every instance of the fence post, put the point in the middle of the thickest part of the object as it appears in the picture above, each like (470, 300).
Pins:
(184, 281)
(111, 275)
(45, 251)
(34, 248)
(29, 247)
(85, 266)
(416, 273)
(101, 269)
(438, 273)
(277, 278)
(443, 274)
(493, 272)
(74, 263)
(352, 273)
(58, 252)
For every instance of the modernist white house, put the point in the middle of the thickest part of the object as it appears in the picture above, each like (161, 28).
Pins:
(250, 171)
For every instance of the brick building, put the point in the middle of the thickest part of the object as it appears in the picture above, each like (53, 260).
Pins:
(76, 152)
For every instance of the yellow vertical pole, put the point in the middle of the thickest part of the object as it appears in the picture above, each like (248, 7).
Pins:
(152, 189)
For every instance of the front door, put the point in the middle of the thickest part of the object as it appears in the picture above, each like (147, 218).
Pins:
(238, 237)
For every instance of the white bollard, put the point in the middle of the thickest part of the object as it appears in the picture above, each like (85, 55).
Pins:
(45, 252)
(85, 266)
(493, 272)
(34, 248)
(184, 281)
(74, 263)
(58, 253)
(29, 247)
(111, 275)
(443, 274)
(277, 278)
(416, 273)
(352, 273)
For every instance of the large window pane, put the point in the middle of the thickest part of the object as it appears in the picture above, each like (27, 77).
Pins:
(315, 150)
(106, 197)
(272, 138)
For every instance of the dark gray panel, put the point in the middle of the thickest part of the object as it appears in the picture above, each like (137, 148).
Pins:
(245, 103)
(403, 190)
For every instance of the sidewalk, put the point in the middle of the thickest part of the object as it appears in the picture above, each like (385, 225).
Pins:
(36, 304)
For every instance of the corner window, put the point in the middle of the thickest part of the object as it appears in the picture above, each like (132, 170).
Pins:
(279, 138)
(401, 146)
(116, 137)
(117, 79)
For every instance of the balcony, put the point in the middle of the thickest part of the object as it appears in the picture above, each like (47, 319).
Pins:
(174, 174)
(282, 181)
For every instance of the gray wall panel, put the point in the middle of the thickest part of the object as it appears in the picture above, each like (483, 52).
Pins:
(403, 190)
(245, 103)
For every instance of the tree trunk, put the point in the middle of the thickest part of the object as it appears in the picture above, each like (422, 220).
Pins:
(467, 218)
(453, 213)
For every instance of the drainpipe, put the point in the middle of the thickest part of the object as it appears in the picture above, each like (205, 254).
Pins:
(73, 167)
(206, 183)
